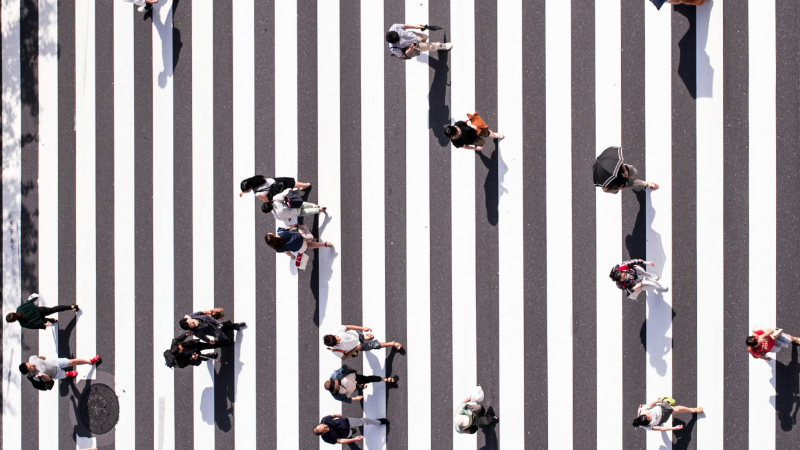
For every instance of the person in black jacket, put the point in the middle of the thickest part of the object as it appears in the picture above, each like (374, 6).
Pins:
(209, 329)
(187, 350)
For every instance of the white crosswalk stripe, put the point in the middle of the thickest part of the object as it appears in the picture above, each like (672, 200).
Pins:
(641, 90)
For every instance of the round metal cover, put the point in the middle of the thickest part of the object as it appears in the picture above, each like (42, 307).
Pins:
(99, 409)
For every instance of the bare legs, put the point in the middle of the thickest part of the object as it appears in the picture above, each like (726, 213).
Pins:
(683, 409)
(314, 244)
(494, 135)
(300, 185)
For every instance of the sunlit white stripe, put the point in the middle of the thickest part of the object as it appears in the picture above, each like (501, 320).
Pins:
(658, 128)
(373, 226)
(511, 263)
(163, 226)
(11, 175)
(48, 201)
(462, 182)
(124, 225)
(203, 203)
(244, 273)
(418, 274)
(762, 214)
(559, 219)
(710, 249)
(286, 289)
(608, 207)
(85, 207)
(328, 163)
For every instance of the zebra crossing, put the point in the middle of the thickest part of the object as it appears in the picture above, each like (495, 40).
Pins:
(125, 137)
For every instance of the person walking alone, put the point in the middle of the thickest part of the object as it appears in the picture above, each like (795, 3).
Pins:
(40, 368)
(657, 412)
(346, 340)
(465, 135)
(627, 177)
(336, 429)
(345, 381)
(632, 278)
(405, 44)
(33, 317)
(470, 415)
(768, 340)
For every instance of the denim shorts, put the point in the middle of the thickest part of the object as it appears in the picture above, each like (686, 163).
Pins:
(366, 346)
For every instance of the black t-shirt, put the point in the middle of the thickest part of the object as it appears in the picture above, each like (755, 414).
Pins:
(339, 428)
(468, 135)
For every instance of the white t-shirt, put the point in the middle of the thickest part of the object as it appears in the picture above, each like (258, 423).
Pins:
(349, 340)
(655, 416)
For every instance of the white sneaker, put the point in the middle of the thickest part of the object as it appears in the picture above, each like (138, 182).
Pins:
(447, 46)
(33, 296)
(141, 8)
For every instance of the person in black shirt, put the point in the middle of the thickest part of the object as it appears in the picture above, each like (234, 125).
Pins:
(335, 429)
(465, 135)
(187, 350)
(626, 177)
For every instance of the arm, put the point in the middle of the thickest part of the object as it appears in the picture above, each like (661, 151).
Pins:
(678, 427)
(281, 197)
(351, 352)
(262, 197)
(290, 255)
(613, 191)
(412, 27)
(356, 327)
(471, 147)
(349, 441)
(44, 377)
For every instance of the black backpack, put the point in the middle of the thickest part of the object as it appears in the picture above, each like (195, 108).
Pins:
(275, 189)
(170, 360)
(42, 385)
(294, 199)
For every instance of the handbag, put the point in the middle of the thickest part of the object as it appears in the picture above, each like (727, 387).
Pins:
(477, 395)
(301, 261)
(305, 232)
(294, 199)
(475, 119)
(218, 313)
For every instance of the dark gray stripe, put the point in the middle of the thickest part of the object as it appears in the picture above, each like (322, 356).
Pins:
(104, 187)
(224, 380)
(183, 211)
(394, 113)
(684, 222)
(308, 291)
(266, 391)
(788, 227)
(441, 234)
(66, 210)
(350, 180)
(634, 222)
(736, 221)
(486, 216)
(143, 213)
(534, 221)
(29, 217)
(584, 230)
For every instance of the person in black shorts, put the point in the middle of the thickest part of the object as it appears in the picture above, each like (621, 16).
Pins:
(465, 135)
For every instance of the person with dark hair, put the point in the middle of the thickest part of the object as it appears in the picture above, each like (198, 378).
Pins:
(687, 2)
(470, 415)
(632, 278)
(345, 381)
(33, 317)
(658, 412)
(292, 240)
(336, 429)
(40, 368)
(263, 189)
(187, 350)
(627, 177)
(346, 340)
(209, 329)
(405, 44)
(465, 135)
(143, 5)
(281, 210)
(768, 340)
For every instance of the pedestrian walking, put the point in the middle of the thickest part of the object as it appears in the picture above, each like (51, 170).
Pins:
(470, 135)
(657, 412)
(631, 277)
(33, 317)
(209, 329)
(281, 209)
(768, 340)
(40, 368)
(336, 429)
(627, 177)
(612, 174)
(186, 350)
(406, 44)
(143, 5)
(346, 340)
(265, 188)
(293, 239)
(345, 381)
(470, 415)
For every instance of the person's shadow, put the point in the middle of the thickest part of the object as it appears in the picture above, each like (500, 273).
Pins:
(690, 60)
(787, 391)
(683, 438)
(438, 109)
(659, 321)
(490, 433)
(490, 185)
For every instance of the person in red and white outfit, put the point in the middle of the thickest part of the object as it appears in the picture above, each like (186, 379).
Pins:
(768, 340)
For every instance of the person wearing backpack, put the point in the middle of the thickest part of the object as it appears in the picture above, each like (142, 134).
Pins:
(290, 239)
(284, 206)
(33, 317)
(186, 350)
(265, 188)
(345, 381)
(631, 277)
(40, 368)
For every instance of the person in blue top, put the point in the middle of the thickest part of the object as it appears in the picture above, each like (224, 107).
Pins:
(344, 382)
(290, 240)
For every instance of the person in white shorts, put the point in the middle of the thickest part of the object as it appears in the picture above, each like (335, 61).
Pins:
(42, 369)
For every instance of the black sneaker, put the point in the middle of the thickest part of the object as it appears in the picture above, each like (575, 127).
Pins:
(213, 355)
(383, 421)
(239, 326)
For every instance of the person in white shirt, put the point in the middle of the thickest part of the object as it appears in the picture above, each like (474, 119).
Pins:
(470, 415)
(281, 211)
(346, 340)
(406, 44)
(656, 413)
(143, 5)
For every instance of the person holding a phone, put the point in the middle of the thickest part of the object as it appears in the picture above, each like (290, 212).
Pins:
(406, 44)
(768, 340)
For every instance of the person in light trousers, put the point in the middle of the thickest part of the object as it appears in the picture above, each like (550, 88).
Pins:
(631, 277)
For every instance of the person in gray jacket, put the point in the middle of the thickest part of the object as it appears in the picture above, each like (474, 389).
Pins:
(470, 415)
(344, 382)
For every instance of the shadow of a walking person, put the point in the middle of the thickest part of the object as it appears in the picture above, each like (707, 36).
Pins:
(787, 390)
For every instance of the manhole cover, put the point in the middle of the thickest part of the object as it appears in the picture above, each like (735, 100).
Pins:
(99, 409)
